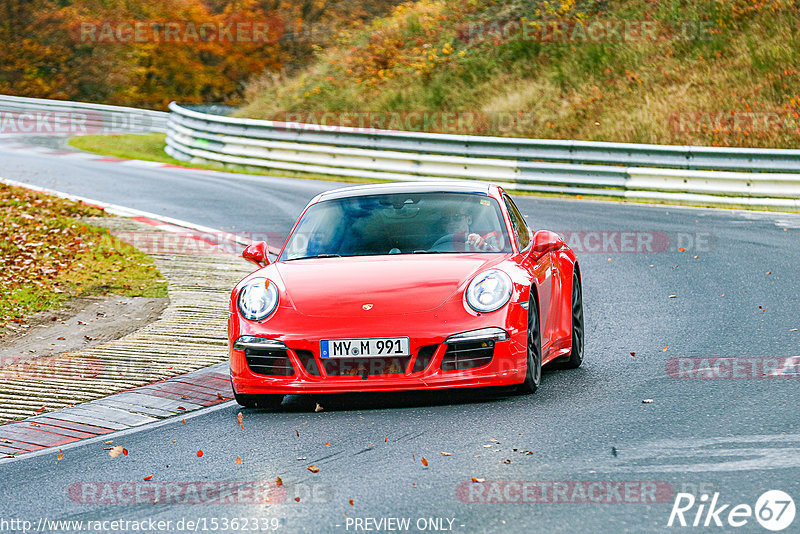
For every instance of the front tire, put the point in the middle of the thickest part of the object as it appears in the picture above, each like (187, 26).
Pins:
(266, 402)
(533, 374)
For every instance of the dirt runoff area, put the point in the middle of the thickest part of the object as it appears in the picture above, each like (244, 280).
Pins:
(80, 323)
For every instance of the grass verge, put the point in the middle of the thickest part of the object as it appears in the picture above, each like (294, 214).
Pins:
(49, 255)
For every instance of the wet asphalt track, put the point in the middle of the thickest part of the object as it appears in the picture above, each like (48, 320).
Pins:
(736, 437)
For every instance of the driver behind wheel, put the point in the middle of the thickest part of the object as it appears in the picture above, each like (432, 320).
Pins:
(458, 223)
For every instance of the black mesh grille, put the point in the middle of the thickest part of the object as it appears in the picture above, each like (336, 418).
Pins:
(370, 366)
(308, 361)
(270, 362)
(467, 355)
(424, 357)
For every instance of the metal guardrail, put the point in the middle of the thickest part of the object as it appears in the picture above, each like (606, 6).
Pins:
(765, 177)
(37, 116)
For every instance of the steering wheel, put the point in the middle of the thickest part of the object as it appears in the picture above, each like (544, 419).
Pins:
(447, 243)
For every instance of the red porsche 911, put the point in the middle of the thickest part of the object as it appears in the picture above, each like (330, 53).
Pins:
(405, 287)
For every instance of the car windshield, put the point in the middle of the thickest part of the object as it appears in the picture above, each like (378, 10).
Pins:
(407, 223)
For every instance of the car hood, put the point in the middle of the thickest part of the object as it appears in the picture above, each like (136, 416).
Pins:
(392, 285)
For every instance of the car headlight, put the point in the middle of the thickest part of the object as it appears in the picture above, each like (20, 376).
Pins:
(489, 291)
(257, 299)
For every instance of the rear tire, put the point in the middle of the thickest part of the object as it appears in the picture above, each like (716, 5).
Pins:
(578, 326)
(533, 373)
(266, 402)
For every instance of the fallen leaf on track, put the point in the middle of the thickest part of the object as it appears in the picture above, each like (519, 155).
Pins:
(478, 479)
(633, 354)
(238, 461)
(240, 420)
(328, 444)
(424, 462)
(148, 477)
(446, 453)
(351, 502)
(279, 481)
(313, 468)
(647, 401)
(318, 408)
(200, 453)
(664, 349)
(115, 451)
(60, 455)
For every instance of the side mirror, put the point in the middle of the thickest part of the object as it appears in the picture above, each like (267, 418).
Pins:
(257, 253)
(545, 241)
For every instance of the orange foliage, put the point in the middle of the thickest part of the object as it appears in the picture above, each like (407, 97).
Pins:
(89, 50)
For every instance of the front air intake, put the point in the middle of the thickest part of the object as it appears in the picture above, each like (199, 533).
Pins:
(463, 355)
(269, 362)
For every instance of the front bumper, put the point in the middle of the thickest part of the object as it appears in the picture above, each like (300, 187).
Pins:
(427, 345)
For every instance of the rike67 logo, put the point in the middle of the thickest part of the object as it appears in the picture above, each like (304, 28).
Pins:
(774, 510)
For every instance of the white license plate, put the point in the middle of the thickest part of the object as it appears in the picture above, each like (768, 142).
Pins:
(364, 348)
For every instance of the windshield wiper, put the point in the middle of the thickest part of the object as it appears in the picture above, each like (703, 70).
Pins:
(317, 256)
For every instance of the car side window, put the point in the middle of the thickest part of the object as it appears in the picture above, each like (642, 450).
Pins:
(518, 223)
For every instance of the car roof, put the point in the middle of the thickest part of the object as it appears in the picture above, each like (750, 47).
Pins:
(406, 187)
